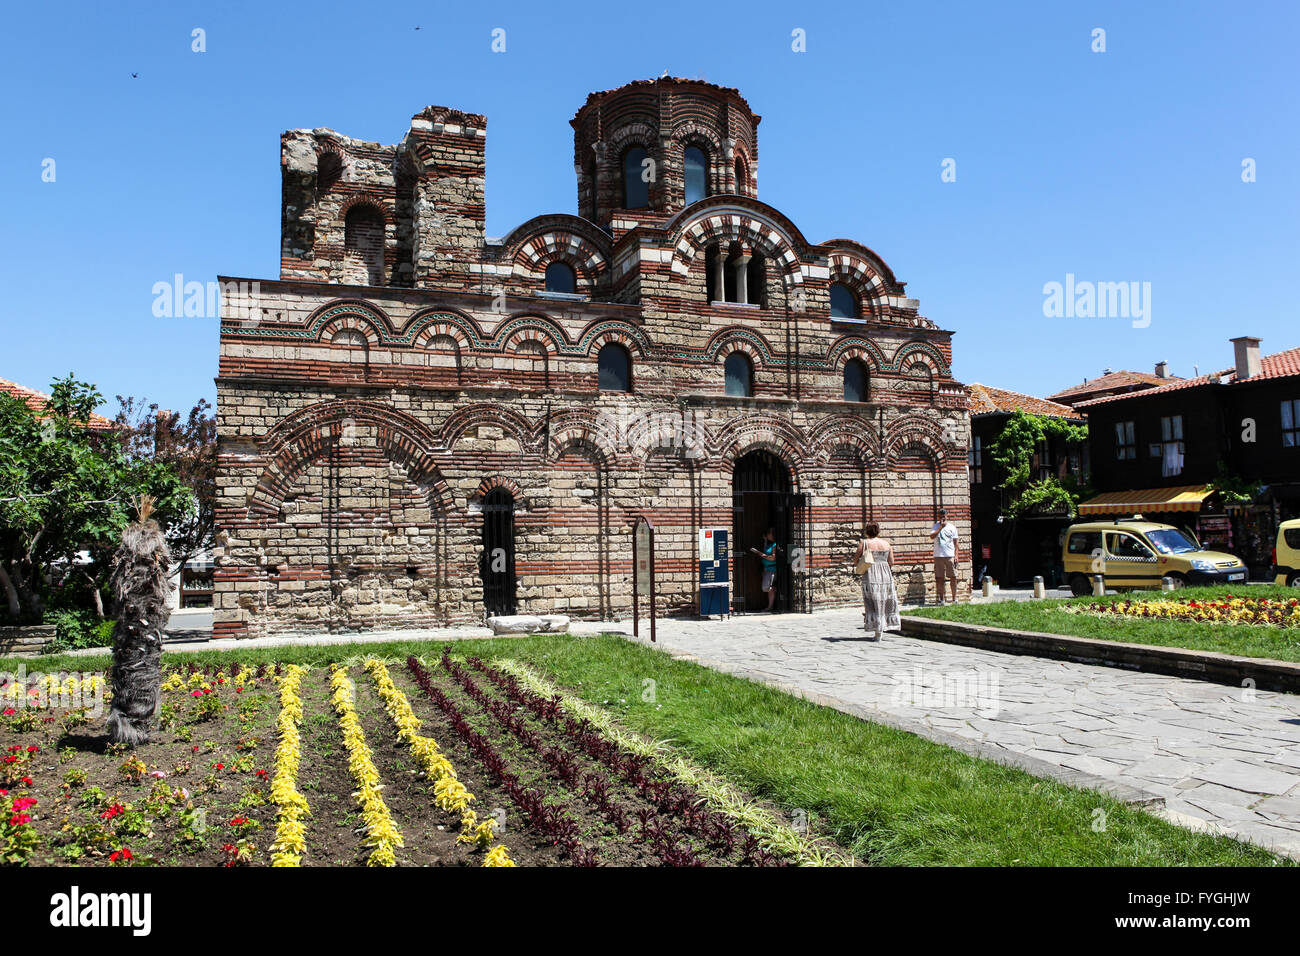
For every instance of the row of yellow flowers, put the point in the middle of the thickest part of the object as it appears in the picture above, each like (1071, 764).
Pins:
(290, 826)
(449, 793)
(1231, 610)
(55, 688)
(383, 834)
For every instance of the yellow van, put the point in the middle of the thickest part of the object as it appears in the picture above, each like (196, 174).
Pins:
(1286, 554)
(1132, 553)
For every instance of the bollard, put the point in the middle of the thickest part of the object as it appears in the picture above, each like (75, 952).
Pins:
(1166, 583)
(1040, 590)
(986, 586)
(1098, 586)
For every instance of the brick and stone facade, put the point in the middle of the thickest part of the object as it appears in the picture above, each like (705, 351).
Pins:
(406, 370)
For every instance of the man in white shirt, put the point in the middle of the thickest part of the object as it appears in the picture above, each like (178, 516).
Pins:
(944, 534)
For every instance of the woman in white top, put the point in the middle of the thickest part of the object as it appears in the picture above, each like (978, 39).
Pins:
(873, 560)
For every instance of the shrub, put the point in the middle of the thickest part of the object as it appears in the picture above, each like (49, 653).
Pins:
(77, 629)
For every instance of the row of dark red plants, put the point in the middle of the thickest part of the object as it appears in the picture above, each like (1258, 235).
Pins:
(673, 816)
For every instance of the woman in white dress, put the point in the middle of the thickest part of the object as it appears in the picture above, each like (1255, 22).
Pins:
(873, 561)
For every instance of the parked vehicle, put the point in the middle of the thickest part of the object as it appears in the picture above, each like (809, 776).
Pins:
(1286, 554)
(1132, 553)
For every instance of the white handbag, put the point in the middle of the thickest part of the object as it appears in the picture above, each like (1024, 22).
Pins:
(866, 561)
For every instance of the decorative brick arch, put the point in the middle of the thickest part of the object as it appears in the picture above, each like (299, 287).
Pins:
(369, 199)
(844, 430)
(909, 353)
(487, 413)
(601, 333)
(351, 322)
(635, 133)
(715, 226)
(516, 334)
(856, 347)
(576, 251)
(915, 431)
(305, 437)
(358, 314)
(740, 436)
(573, 427)
(537, 327)
(860, 275)
(425, 326)
(492, 483)
(733, 337)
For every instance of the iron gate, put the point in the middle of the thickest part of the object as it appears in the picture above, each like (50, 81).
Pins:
(497, 563)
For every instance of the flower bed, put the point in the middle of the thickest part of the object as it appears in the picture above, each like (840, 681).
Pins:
(438, 763)
(1258, 612)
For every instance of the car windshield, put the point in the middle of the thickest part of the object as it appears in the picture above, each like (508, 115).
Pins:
(1170, 541)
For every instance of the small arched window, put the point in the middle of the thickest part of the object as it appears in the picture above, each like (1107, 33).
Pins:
(739, 373)
(855, 381)
(844, 304)
(742, 178)
(560, 278)
(636, 189)
(697, 174)
(756, 280)
(614, 369)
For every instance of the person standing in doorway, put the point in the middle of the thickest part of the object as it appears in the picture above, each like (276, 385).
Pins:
(873, 562)
(768, 556)
(944, 534)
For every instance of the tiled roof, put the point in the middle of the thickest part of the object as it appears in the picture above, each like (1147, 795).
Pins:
(36, 402)
(1113, 380)
(986, 400)
(1278, 365)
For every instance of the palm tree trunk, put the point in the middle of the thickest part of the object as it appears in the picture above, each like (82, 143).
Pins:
(140, 590)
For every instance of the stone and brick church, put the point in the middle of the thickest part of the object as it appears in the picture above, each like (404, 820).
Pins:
(420, 424)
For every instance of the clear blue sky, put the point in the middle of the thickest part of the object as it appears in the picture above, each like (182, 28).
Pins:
(1118, 166)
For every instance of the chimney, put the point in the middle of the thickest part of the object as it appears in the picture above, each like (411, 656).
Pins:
(1162, 369)
(1247, 354)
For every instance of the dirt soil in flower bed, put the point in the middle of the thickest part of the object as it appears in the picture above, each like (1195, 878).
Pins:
(198, 794)
(195, 792)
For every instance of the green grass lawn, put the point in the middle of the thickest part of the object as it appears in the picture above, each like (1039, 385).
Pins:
(1044, 616)
(891, 797)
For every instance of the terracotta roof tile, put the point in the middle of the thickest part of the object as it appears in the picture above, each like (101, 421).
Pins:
(986, 400)
(1120, 379)
(36, 402)
(1277, 365)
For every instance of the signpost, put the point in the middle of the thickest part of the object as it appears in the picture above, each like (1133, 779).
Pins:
(643, 573)
(715, 572)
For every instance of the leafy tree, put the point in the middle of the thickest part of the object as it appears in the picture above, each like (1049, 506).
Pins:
(1013, 452)
(189, 446)
(65, 489)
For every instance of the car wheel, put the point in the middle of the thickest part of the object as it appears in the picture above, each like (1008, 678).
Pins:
(1080, 586)
(1179, 582)
(1295, 581)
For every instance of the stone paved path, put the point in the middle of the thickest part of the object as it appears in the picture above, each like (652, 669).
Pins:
(1217, 755)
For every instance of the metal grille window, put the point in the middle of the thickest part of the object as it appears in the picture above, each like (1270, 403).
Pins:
(1125, 442)
(1291, 423)
(1171, 445)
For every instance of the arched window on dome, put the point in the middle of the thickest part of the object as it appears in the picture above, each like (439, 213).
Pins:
(739, 374)
(844, 303)
(614, 369)
(560, 278)
(696, 164)
(636, 187)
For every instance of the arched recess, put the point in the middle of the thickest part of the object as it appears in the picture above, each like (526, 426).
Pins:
(310, 433)
(357, 314)
(722, 226)
(909, 353)
(469, 418)
(580, 503)
(350, 513)
(740, 436)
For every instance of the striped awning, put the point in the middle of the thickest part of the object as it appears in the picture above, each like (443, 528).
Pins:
(1180, 498)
